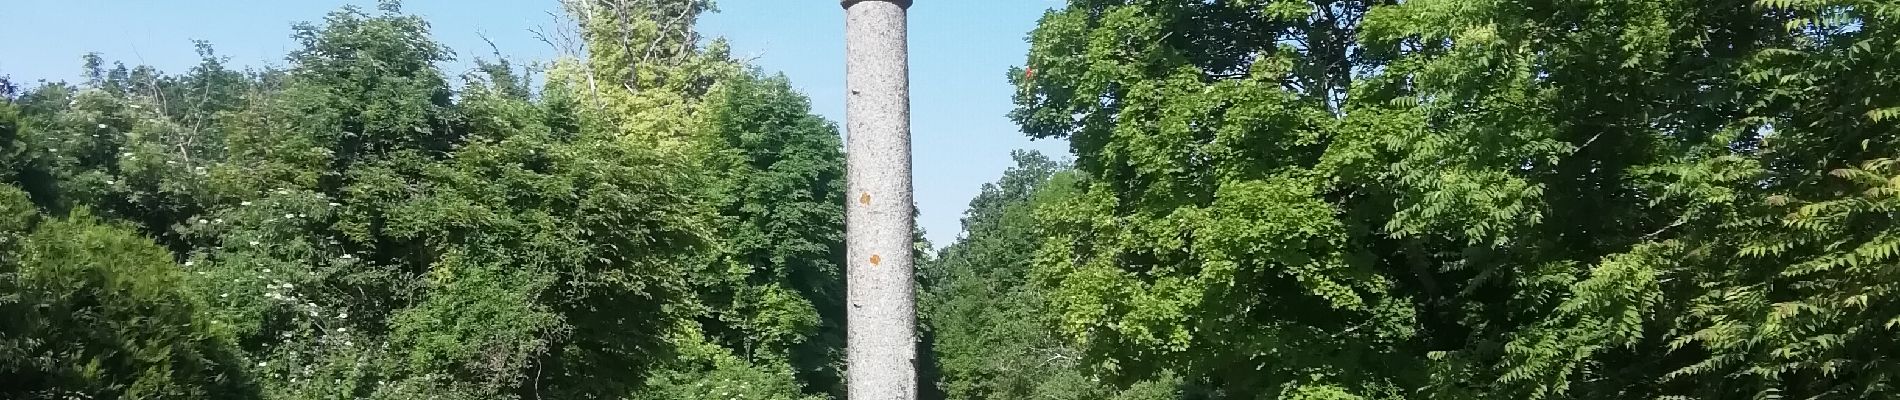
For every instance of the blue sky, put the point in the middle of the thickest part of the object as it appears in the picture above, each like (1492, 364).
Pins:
(960, 51)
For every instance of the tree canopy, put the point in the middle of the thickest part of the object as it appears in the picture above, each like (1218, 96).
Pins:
(1286, 199)
(1472, 199)
(653, 222)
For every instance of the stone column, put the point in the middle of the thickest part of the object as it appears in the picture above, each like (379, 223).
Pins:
(881, 344)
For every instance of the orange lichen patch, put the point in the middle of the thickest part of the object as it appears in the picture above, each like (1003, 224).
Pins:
(865, 198)
(875, 259)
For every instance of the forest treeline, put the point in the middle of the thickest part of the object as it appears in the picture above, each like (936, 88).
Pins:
(1265, 199)
(645, 218)
(1441, 199)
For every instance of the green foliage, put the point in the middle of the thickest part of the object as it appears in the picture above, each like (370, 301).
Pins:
(94, 310)
(1469, 199)
(1301, 199)
(708, 371)
(777, 291)
(355, 227)
(991, 336)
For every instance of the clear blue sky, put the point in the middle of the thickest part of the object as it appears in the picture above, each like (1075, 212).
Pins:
(960, 49)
